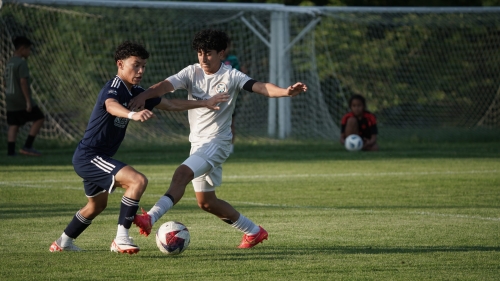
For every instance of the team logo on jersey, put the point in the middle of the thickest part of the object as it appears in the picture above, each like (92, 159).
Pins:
(121, 122)
(112, 92)
(220, 88)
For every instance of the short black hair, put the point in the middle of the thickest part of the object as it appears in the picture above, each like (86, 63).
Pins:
(357, 97)
(128, 49)
(21, 41)
(210, 39)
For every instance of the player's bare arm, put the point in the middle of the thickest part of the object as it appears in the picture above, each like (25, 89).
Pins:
(155, 91)
(25, 88)
(114, 108)
(272, 91)
(181, 105)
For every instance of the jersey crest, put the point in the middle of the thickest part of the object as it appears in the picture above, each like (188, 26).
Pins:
(220, 88)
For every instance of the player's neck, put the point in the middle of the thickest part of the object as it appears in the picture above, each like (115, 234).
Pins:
(127, 84)
(212, 71)
(18, 54)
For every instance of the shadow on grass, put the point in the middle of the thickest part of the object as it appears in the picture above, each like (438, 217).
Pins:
(28, 211)
(283, 152)
(282, 253)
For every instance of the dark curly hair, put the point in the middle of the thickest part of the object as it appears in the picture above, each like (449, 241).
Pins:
(21, 41)
(357, 97)
(210, 39)
(129, 49)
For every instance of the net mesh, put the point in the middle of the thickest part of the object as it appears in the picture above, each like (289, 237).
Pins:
(416, 70)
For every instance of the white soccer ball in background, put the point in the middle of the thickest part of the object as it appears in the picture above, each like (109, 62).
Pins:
(353, 143)
(172, 238)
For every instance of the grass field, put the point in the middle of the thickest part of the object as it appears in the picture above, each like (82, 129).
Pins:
(408, 212)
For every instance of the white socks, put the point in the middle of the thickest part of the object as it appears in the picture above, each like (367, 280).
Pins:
(160, 208)
(246, 225)
(121, 232)
(66, 240)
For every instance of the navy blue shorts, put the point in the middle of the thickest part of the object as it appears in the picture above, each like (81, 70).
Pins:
(97, 171)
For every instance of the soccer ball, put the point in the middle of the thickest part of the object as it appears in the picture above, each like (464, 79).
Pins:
(353, 143)
(172, 238)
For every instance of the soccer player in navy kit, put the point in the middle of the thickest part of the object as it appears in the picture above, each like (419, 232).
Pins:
(105, 132)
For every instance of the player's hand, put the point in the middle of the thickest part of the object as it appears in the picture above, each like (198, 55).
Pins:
(28, 107)
(143, 115)
(213, 102)
(137, 103)
(296, 89)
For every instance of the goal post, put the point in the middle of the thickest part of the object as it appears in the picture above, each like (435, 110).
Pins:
(422, 70)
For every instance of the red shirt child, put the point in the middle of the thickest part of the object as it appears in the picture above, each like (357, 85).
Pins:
(361, 122)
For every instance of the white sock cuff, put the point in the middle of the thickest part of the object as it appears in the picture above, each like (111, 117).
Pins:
(121, 231)
(160, 208)
(246, 225)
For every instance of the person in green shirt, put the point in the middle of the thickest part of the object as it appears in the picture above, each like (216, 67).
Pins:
(20, 105)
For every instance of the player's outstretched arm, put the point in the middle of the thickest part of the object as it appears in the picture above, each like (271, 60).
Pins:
(155, 91)
(114, 108)
(181, 105)
(272, 91)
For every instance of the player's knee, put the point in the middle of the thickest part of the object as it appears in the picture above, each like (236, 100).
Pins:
(205, 205)
(351, 126)
(141, 182)
(352, 121)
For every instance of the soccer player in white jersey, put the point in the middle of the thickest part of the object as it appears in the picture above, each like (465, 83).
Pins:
(93, 158)
(210, 134)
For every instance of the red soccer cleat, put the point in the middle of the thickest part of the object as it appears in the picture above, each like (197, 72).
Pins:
(250, 241)
(143, 221)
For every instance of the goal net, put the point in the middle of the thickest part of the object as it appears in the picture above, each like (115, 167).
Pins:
(422, 71)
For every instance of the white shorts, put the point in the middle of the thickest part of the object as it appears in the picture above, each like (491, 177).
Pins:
(206, 163)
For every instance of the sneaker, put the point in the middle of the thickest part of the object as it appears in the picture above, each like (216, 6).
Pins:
(250, 241)
(124, 245)
(30, 151)
(56, 248)
(143, 221)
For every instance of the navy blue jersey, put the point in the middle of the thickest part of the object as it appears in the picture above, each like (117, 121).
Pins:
(105, 132)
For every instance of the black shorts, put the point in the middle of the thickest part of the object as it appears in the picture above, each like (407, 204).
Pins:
(21, 117)
(97, 171)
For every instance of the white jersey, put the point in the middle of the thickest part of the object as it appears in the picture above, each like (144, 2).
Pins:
(207, 124)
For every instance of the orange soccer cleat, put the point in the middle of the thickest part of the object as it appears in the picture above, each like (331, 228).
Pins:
(124, 246)
(250, 241)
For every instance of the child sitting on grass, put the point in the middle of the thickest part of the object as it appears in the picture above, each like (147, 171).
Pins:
(360, 122)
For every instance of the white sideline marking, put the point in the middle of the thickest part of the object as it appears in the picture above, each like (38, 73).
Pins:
(363, 174)
(39, 184)
(455, 216)
(333, 175)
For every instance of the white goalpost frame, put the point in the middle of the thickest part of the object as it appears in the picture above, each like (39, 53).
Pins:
(279, 42)
(279, 113)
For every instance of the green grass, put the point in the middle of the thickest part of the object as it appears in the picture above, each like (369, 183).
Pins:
(414, 211)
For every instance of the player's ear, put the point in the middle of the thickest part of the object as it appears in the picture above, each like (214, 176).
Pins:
(119, 64)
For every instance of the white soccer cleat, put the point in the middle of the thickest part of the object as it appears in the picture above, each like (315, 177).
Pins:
(55, 247)
(124, 245)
